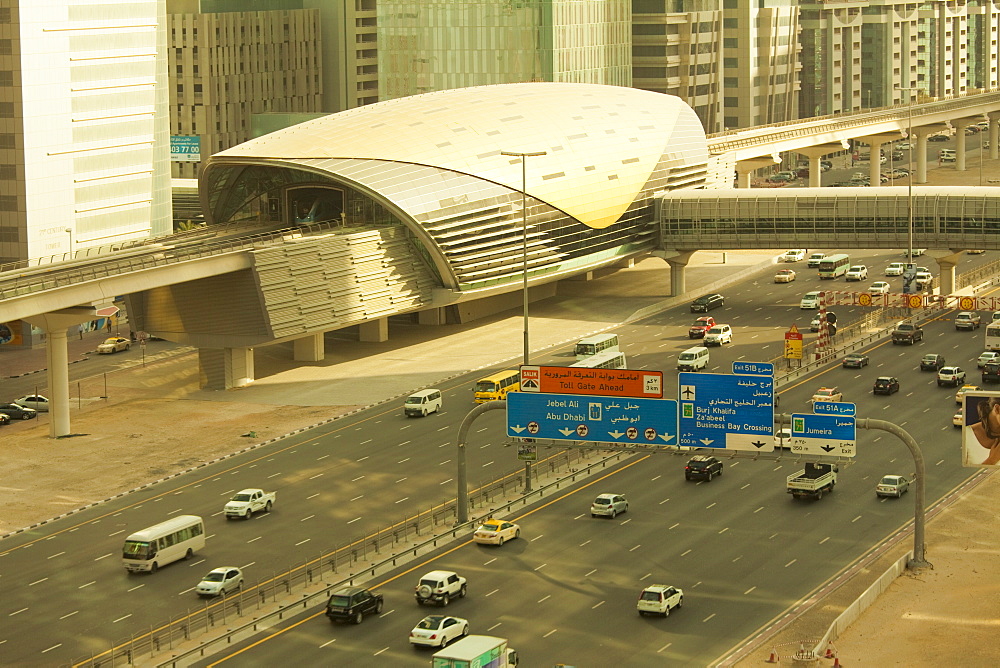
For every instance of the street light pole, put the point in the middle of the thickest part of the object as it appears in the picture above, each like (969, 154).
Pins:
(70, 231)
(524, 267)
(909, 180)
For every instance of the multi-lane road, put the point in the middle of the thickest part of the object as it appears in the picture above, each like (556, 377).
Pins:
(742, 550)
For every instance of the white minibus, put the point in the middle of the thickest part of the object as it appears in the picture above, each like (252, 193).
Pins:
(609, 359)
(595, 344)
(163, 543)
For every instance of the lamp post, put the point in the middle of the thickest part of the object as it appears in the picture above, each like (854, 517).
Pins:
(524, 268)
(69, 230)
(909, 180)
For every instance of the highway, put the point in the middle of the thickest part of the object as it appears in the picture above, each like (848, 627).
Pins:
(741, 548)
(66, 593)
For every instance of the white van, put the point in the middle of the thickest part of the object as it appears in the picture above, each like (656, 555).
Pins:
(423, 402)
(947, 155)
(596, 344)
(809, 300)
(693, 359)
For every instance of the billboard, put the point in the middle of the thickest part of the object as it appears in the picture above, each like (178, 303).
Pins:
(980, 422)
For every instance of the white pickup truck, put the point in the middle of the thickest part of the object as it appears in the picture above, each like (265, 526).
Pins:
(813, 481)
(246, 502)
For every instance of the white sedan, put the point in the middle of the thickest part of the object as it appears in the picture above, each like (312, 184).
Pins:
(36, 401)
(496, 532)
(113, 345)
(220, 581)
(438, 630)
(794, 255)
(879, 288)
(784, 276)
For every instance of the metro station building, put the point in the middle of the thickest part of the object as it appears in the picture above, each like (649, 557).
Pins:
(412, 206)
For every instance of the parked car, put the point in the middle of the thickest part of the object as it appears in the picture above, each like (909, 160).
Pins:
(967, 320)
(220, 581)
(855, 361)
(784, 276)
(931, 362)
(440, 587)
(950, 375)
(702, 467)
(659, 600)
(885, 385)
(781, 177)
(36, 401)
(352, 604)
(113, 345)
(496, 532)
(438, 630)
(879, 288)
(4, 419)
(939, 138)
(18, 412)
(895, 269)
(706, 303)
(609, 505)
(988, 356)
(892, 485)
(858, 272)
(700, 326)
(794, 255)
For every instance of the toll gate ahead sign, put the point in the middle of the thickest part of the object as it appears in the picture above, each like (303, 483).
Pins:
(599, 382)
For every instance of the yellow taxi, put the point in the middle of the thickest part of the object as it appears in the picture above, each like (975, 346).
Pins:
(496, 532)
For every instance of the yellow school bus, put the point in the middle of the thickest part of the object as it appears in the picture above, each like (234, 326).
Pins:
(497, 386)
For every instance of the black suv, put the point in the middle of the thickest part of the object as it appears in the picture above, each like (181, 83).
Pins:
(706, 303)
(702, 467)
(352, 604)
(885, 385)
(991, 372)
(931, 362)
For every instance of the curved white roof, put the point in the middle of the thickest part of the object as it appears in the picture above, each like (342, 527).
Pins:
(602, 143)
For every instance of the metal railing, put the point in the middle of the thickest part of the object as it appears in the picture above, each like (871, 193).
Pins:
(269, 600)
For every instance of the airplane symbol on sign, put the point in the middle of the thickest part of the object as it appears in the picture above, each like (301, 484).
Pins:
(687, 391)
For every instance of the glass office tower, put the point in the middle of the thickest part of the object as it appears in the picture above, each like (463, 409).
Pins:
(430, 45)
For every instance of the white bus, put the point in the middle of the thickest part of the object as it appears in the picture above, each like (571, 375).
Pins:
(609, 359)
(833, 266)
(993, 335)
(595, 344)
(163, 543)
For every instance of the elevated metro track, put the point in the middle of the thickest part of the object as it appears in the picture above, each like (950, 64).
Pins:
(798, 134)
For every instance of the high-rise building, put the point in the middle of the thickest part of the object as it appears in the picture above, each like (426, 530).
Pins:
(430, 45)
(83, 103)
(735, 63)
(226, 65)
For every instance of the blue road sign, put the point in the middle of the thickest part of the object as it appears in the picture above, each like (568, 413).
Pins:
(578, 417)
(726, 411)
(834, 408)
(823, 434)
(754, 368)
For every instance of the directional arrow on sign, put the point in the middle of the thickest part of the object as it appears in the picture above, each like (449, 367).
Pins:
(567, 432)
(516, 428)
(707, 441)
(827, 448)
(758, 444)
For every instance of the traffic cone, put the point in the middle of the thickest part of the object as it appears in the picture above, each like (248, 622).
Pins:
(829, 651)
(773, 658)
(836, 662)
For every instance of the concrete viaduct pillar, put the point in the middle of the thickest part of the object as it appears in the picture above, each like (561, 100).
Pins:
(225, 368)
(745, 167)
(994, 118)
(961, 140)
(678, 262)
(875, 154)
(921, 133)
(309, 348)
(815, 153)
(55, 324)
(374, 331)
(946, 261)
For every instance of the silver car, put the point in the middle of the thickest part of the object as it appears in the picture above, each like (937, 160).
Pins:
(608, 505)
(220, 581)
